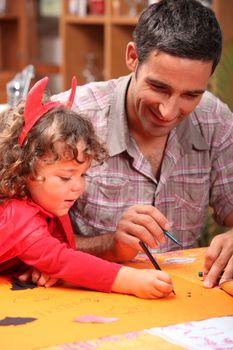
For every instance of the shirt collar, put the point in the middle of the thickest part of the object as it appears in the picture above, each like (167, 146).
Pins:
(118, 133)
(190, 137)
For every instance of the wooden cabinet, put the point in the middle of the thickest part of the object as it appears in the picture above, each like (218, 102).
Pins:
(17, 40)
(96, 40)
(93, 46)
(102, 40)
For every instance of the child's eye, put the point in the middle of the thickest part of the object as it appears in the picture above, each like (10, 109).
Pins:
(84, 175)
(65, 178)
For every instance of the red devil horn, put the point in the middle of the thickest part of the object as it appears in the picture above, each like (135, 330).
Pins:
(34, 99)
(72, 93)
(34, 109)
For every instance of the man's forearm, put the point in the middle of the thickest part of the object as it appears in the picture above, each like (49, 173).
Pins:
(95, 245)
(105, 246)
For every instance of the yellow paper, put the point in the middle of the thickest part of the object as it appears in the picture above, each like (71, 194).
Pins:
(56, 308)
(227, 286)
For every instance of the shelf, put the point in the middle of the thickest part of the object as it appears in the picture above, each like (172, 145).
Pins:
(103, 36)
(46, 68)
(8, 17)
(84, 20)
(124, 20)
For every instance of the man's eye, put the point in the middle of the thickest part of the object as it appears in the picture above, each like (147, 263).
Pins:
(159, 88)
(194, 94)
(191, 96)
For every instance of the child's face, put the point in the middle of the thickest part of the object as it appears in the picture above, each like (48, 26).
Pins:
(63, 183)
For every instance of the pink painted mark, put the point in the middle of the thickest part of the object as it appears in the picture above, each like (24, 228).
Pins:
(94, 319)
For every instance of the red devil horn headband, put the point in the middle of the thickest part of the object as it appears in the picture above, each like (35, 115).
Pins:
(34, 109)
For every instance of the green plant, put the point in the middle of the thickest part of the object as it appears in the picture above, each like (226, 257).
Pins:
(210, 230)
(221, 85)
(222, 81)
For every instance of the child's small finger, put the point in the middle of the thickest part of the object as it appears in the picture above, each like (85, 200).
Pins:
(50, 282)
(25, 276)
(36, 276)
(43, 280)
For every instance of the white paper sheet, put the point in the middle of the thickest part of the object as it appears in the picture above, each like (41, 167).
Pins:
(210, 334)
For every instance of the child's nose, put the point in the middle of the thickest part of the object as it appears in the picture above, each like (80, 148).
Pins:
(78, 186)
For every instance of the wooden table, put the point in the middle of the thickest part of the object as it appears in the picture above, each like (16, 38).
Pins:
(56, 308)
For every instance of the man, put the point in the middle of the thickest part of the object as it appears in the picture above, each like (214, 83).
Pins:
(170, 143)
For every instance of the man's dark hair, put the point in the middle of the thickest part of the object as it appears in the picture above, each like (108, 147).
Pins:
(183, 28)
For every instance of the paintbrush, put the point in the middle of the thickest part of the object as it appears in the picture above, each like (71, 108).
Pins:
(152, 259)
(169, 235)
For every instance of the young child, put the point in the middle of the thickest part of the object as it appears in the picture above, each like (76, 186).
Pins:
(45, 150)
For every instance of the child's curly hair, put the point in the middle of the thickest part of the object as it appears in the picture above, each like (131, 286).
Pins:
(59, 125)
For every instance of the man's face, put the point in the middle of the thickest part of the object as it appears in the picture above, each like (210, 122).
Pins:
(163, 91)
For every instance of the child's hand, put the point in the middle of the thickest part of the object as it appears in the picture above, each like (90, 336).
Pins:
(35, 276)
(147, 284)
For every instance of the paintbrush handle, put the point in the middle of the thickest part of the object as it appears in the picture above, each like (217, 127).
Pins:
(169, 235)
(150, 256)
(152, 259)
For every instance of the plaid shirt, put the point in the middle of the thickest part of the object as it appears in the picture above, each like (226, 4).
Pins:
(197, 169)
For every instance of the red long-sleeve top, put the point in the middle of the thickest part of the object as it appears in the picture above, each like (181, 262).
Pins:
(47, 242)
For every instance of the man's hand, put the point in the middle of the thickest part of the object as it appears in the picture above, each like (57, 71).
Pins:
(141, 222)
(35, 276)
(219, 259)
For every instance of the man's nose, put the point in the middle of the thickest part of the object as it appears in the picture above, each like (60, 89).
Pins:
(169, 108)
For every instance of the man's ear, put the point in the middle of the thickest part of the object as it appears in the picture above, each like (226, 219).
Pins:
(131, 56)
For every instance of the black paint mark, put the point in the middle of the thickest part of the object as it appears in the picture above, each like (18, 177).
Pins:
(19, 285)
(9, 321)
